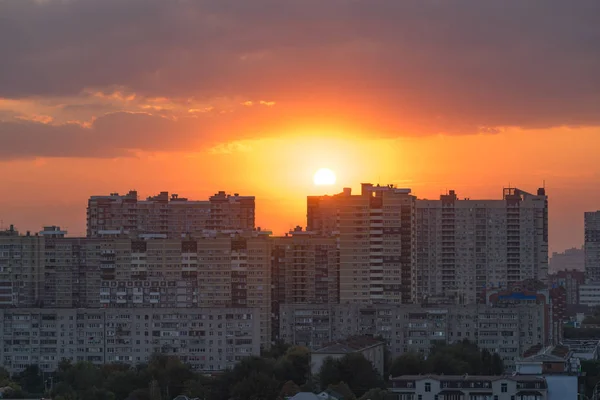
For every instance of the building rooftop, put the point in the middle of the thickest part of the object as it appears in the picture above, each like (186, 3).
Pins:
(538, 353)
(349, 345)
(470, 378)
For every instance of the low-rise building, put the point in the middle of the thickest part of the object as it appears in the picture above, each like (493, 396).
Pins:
(372, 349)
(208, 339)
(430, 387)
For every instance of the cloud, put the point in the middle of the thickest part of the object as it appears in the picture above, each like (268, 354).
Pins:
(387, 67)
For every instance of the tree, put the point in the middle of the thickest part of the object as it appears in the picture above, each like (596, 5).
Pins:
(329, 373)
(257, 386)
(277, 350)
(375, 394)
(31, 380)
(121, 382)
(200, 387)
(154, 390)
(289, 389)
(354, 369)
(410, 363)
(294, 365)
(343, 389)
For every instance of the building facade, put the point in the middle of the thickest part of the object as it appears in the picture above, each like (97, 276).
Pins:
(208, 339)
(50, 270)
(570, 281)
(465, 245)
(506, 330)
(304, 269)
(376, 241)
(592, 245)
(430, 387)
(172, 216)
(589, 294)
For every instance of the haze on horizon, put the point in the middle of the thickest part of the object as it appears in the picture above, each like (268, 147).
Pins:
(253, 97)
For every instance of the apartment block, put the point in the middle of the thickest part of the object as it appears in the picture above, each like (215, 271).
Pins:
(231, 212)
(465, 246)
(22, 264)
(376, 241)
(506, 330)
(209, 339)
(304, 269)
(221, 270)
(172, 216)
(592, 245)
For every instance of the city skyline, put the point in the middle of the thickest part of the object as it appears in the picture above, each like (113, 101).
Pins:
(213, 95)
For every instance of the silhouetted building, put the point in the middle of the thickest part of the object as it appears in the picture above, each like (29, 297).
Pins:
(172, 216)
(568, 260)
(376, 239)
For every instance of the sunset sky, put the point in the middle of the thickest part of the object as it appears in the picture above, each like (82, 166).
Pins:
(253, 96)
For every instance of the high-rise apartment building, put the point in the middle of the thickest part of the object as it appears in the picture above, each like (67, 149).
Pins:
(466, 245)
(304, 269)
(376, 240)
(592, 245)
(217, 271)
(231, 212)
(172, 216)
(208, 339)
(22, 265)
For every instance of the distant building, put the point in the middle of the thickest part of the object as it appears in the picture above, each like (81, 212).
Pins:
(172, 216)
(570, 281)
(568, 260)
(589, 294)
(372, 349)
(592, 245)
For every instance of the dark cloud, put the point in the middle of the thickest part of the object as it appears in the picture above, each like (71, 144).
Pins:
(121, 134)
(445, 66)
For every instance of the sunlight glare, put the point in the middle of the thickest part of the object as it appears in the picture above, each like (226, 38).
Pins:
(324, 176)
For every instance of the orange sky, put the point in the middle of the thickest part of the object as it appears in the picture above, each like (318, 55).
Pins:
(278, 171)
(254, 96)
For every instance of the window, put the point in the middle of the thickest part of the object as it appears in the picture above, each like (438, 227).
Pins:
(427, 387)
(504, 388)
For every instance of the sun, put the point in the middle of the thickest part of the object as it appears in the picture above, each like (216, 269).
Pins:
(324, 176)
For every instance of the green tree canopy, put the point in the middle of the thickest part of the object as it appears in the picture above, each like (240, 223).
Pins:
(354, 369)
